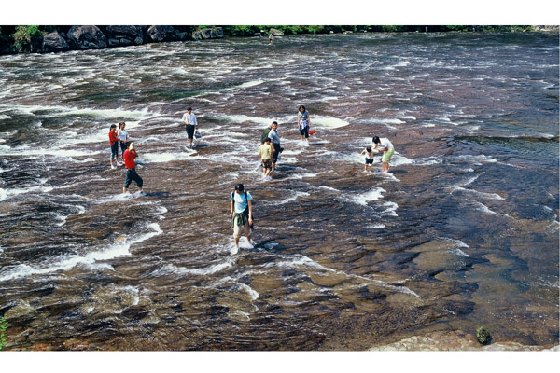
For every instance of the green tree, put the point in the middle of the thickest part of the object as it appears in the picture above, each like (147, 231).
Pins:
(3, 328)
(23, 37)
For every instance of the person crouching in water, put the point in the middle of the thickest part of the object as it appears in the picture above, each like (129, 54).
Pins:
(265, 155)
(128, 156)
(241, 209)
(385, 146)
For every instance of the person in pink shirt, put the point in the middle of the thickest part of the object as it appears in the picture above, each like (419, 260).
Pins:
(114, 142)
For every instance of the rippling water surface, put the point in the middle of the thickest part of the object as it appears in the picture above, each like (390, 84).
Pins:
(462, 232)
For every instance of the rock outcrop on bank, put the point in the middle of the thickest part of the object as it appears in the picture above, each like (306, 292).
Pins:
(112, 36)
(50, 38)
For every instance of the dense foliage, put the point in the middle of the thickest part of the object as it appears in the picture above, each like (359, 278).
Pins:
(3, 328)
(23, 37)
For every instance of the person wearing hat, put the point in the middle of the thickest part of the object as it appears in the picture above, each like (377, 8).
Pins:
(190, 124)
(241, 209)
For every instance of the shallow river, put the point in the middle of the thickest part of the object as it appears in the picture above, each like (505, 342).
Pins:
(462, 231)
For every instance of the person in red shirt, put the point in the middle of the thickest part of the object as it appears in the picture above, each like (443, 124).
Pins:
(114, 141)
(128, 156)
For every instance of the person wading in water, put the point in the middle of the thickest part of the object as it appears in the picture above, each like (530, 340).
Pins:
(385, 146)
(128, 156)
(241, 209)
(190, 124)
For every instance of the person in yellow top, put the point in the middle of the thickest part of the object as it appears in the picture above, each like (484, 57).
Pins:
(265, 156)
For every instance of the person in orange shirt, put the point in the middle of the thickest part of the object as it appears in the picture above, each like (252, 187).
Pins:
(114, 141)
(128, 156)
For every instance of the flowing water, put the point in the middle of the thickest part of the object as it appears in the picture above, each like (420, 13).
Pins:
(462, 231)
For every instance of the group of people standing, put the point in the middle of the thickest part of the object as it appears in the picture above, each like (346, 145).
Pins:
(120, 139)
(241, 209)
(270, 147)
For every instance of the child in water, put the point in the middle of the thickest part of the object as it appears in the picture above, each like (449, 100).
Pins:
(368, 152)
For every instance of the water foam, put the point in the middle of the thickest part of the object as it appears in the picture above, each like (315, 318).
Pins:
(8, 193)
(477, 159)
(373, 195)
(327, 122)
(391, 208)
(295, 195)
(252, 293)
(167, 157)
(228, 263)
(243, 118)
(483, 208)
(68, 262)
(252, 83)
(491, 196)
(305, 261)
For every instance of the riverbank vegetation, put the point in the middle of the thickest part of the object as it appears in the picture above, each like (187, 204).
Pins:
(339, 29)
(26, 38)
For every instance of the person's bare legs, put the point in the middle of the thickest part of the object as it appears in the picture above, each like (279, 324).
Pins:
(248, 233)
(385, 167)
(236, 237)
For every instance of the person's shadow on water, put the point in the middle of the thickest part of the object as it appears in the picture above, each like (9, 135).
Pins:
(157, 194)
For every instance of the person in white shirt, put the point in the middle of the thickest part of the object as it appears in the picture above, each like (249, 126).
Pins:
(123, 138)
(385, 146)
(190, 124)
(368, 152)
